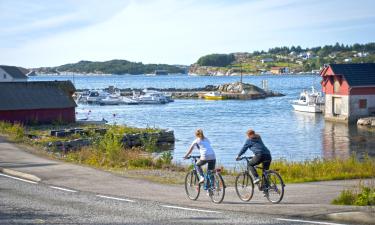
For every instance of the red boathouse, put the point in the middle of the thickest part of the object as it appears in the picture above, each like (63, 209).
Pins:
(349, 91)
(37, 102)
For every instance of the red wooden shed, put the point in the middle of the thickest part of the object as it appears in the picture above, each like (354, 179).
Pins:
(349, 91)
(37, 102)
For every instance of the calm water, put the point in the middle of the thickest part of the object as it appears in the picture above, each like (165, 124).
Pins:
(288, 134)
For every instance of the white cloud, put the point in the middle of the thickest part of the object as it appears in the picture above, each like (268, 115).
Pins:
(166, 31)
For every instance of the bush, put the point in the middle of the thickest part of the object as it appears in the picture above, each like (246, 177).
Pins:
(364, 197)
(15, 131)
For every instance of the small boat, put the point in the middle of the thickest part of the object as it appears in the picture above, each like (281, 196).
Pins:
(113, 99)
(213, 96)
(309, 102)
(151, 97)
(129, 101)
(95, 97)
(87, 121)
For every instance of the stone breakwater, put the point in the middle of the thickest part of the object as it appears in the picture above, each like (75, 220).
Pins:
(235, 90)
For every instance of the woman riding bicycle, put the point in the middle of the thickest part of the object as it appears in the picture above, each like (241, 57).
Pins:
(207, 154)
(261, 153)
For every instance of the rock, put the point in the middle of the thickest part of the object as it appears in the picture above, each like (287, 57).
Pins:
(368, 121)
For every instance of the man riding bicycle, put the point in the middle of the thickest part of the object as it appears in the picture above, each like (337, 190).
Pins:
(261, 153)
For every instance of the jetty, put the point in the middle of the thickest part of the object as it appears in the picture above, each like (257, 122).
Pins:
(236, 90)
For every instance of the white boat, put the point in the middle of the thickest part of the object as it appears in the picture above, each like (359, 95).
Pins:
(87, 121)
(95, 97)
(113, 99)
(128, 101)
(309, 102)
(151, 97)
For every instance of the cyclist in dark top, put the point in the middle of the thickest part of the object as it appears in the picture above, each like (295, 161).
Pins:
(261, 153)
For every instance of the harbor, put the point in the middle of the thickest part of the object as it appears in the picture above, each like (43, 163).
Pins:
(291, 135)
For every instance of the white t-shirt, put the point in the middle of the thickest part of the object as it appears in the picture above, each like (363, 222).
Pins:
(205, 149)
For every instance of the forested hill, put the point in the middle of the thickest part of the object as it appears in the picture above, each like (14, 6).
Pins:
(295, 58)
(109, 67)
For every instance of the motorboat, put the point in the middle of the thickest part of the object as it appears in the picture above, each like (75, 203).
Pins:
(129, 101)
(151, 97)
(95, 97)
(113, 99)
(309, 102)
(214, 95)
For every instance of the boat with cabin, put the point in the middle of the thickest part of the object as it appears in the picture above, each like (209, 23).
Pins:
(150, 97)
(312, 102)
(214, 95)
(95, 97)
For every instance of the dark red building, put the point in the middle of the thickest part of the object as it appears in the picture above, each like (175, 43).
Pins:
(37, 102)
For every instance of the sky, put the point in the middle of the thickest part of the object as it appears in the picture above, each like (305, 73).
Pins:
(36, 33)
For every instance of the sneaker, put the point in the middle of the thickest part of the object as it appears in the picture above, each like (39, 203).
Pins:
(256, 180)
(265, 194)
(201, 180)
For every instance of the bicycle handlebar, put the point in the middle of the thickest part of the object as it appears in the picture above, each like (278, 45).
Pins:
(245, 157)
(193, 157)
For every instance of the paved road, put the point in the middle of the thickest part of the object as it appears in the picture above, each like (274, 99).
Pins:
(309, 201)
(36, 203)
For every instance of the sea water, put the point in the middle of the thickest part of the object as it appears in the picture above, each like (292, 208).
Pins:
(288, 134)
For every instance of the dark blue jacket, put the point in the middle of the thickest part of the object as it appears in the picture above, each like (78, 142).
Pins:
(256, 146)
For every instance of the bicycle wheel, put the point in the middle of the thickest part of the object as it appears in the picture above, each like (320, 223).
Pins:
(275, 190)
(244, 186)
(217, 191)
(192, 186)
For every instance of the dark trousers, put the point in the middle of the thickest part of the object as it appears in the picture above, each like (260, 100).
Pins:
(210, 165)
(258, 159)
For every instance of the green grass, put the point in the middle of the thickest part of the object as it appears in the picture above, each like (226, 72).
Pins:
(362, 196)
(107, 152)
(320, 169)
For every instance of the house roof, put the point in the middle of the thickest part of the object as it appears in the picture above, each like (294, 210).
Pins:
(14, 71)
(356, 74)
(36, 95)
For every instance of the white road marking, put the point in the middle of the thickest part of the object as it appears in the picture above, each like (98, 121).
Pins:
(308, 221)
(114, 198)
(62, 189)
(189, 209)
(16, 178)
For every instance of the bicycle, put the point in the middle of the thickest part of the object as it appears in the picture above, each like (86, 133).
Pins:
(213, 183)
(270, 183)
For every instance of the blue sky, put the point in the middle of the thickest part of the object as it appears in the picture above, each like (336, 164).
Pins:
(36, 33)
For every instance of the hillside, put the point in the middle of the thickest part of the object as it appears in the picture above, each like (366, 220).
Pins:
(295, 59)
(109, 67)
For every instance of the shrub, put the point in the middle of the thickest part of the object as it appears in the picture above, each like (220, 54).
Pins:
(149, 142)
(364, 197)
(15, 131)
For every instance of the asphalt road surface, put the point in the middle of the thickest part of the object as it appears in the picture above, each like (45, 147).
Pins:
(25, 202)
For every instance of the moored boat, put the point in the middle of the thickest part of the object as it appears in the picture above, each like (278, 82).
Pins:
(309, 102)
(213, 96)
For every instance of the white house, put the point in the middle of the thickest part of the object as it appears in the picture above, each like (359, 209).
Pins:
(11, 74)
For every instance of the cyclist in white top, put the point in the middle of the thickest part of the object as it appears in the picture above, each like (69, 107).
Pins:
(207, 154)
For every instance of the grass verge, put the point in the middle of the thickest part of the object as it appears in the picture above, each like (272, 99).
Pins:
(108, 153)
(361, 196)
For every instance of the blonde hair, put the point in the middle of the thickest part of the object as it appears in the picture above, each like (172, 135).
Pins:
(199, 134)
